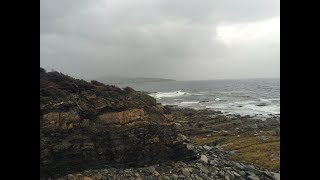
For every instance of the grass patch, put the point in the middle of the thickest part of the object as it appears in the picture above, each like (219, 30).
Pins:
(249, 149)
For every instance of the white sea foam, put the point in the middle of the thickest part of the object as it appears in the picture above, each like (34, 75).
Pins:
(160, 95)
(271, 109)
(271, 99)
(244, 102)
(190, 102)
(217, 99)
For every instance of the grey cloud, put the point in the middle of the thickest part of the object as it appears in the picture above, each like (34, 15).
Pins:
(160, 38)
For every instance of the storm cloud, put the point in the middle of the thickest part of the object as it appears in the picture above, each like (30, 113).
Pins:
(180, 39)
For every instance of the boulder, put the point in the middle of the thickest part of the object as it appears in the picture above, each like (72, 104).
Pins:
(204, 159)
(202, 168)
(207, 147)
(185, 172)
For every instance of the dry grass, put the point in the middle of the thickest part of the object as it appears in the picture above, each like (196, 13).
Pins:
(249, 149)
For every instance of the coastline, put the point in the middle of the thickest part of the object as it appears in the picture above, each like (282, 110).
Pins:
(89, 130)
(229, 147)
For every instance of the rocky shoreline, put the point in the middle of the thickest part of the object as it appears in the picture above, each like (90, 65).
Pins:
(89, 130)
(213, 162)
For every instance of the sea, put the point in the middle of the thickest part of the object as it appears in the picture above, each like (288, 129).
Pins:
(254, 97)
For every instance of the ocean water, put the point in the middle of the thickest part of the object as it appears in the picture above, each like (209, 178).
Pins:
(244, 97)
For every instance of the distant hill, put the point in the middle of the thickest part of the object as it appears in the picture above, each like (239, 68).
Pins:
(128, 80)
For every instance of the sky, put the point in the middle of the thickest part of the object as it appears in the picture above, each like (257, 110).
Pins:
(180, 39)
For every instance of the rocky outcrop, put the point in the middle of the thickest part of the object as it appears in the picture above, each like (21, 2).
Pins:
(63, 120)
(92, 126)
(218, 167)
(123, 117)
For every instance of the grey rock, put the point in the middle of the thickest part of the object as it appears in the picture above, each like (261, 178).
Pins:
(204, 159)
(181, 177)
(207, 147)
(276, 132)
(190, 147)
(213, 162)
(242, 173)
(149, 177)
(221, 173)
(185, 172)
(253, 169)
(237, 165)
(182, 138)
(174, 176)
(241, 178)
(251, 173)
(236, 174)
(232, 152)
(202, 168)
(153, 171)
(276, 176)
(70, 176)
(165, 177)
(254, 126)
(252, 177)
(156, 173)
(229, 174)
(198, 178)
(212, 169)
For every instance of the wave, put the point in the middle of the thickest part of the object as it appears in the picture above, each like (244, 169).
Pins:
(269, 100)
(272, 109)
(160, 95)
(244, 102)
(189, 102)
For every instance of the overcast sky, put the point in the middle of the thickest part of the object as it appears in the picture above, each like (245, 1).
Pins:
(178, 39)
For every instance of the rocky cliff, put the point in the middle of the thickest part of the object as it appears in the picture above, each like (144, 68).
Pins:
(88, 125)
